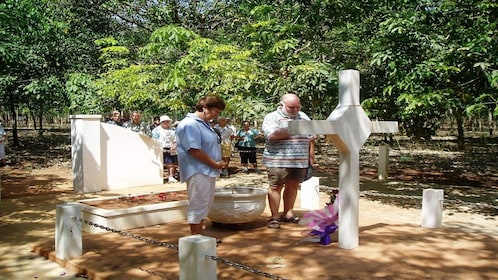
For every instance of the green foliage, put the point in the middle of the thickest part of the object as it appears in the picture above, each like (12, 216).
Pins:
(45, 98)
(40, 42)
(185, 67)
(132, 87)
(167, 44)
(82, 95)
(416, 119)
(112, 55)
(418, 60)
(433, 50)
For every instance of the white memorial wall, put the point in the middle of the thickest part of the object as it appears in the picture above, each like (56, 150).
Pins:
(106, 157)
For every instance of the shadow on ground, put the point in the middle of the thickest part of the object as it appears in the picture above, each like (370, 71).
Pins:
(386, 251)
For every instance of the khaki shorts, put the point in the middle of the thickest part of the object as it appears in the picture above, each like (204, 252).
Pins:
(226, 150)
(278, 175)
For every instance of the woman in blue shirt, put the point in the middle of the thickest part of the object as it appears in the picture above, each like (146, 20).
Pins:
(199, 159)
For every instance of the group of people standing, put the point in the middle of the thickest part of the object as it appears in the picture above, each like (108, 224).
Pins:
(245, 142)
(202, 150)
(162, 130)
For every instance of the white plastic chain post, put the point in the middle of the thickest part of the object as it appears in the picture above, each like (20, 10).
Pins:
(432, 208)
(194, 263)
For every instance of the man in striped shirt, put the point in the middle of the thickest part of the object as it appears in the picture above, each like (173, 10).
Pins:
(286, 157)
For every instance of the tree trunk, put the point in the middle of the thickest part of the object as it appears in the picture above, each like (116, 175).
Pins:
(12, 108)
(490, 122)
(460, 134)
(32, 117)
(40, 117)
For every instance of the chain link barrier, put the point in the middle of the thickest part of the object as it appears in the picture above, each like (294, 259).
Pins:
(175, 247)
(245, 268)
(458, 202)
(129, 235)
(330, 190)
(153, 273)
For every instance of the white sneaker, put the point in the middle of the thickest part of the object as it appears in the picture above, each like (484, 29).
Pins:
(172, 180)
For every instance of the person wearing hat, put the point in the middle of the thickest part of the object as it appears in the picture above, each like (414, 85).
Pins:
(166, 137)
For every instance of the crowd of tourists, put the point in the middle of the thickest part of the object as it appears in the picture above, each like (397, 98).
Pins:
(243, 141)
(198, 148)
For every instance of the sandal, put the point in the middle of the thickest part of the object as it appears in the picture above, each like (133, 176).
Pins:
(293, 219)
(273, 223)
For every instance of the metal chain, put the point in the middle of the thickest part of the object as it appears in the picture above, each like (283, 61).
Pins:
(153, 273)
(127, 234)
(416, 197)
(390, 195)
(245, 267)
(172, 246)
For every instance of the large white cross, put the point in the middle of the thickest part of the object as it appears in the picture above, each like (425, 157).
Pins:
(348, 127)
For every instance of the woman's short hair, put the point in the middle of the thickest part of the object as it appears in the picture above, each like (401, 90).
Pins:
(210, 101)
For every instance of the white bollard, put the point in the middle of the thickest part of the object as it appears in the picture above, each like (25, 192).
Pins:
(68, 235)
(310, 194)
(383, 165)
(432, 208)
(194, 263)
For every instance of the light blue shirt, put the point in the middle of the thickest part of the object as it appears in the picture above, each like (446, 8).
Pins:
(194, 133)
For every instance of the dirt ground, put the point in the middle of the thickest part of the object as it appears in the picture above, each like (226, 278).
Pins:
(392, 243)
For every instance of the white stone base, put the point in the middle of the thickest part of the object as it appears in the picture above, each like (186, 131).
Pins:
(133, 217)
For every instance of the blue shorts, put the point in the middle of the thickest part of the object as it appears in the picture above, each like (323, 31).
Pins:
(168, 158)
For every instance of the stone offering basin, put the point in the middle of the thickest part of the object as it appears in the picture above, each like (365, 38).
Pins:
(237, 205)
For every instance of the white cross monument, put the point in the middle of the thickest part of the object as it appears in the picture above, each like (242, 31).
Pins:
(348, 127)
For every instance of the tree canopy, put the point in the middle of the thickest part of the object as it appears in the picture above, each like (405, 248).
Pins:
(420, 61)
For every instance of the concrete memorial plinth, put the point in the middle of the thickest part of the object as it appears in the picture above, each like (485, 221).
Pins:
(107, 157)
(348, 127)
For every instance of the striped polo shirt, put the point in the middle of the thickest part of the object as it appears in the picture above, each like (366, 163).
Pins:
(292, 152)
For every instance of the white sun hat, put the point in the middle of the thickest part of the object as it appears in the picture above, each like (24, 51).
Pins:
(164, 118)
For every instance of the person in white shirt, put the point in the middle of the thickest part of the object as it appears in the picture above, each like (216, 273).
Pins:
(167, 138)
(287, 158)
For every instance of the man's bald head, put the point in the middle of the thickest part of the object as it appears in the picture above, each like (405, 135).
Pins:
(291, 104)
(290, 97)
